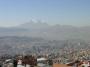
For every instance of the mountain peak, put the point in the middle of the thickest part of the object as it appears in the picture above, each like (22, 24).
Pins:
(34, 25)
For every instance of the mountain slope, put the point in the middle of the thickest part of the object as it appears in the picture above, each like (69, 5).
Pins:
(39, 29)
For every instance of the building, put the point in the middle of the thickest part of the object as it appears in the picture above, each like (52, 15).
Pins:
(60, 65)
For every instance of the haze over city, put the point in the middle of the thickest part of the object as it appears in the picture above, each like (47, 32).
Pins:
(63, 12)
(44, 33)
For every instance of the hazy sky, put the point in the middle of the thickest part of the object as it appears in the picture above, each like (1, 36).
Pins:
(68, 12)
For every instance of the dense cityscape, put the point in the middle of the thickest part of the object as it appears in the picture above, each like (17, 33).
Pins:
(43, 53)
(44, 33)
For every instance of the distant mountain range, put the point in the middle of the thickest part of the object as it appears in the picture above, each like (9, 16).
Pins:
(54, 32)
(41, 37)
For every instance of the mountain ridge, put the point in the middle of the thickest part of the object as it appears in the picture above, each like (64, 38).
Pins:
(44, 30)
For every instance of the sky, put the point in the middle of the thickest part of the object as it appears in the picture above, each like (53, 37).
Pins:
(63, 12)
